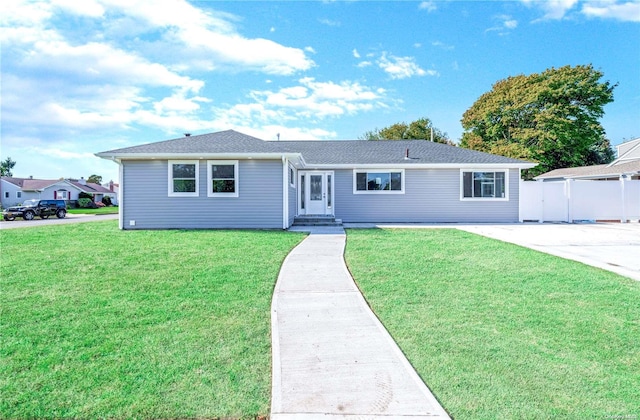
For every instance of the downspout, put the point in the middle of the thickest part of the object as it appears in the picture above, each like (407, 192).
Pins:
(285, 193)
(120, 195)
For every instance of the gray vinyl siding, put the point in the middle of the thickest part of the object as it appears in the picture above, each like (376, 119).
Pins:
(431, 196)
(146, 200)
(293, 193)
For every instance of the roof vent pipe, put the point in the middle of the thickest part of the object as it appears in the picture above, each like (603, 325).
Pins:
(187, 134)
(406, 154)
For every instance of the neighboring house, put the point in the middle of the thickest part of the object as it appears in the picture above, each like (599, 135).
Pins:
(96, 190)
(627, 165)
(231, 180)
(16, 190)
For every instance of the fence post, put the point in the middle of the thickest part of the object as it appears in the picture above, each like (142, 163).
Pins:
(541, 190)
(569, 183)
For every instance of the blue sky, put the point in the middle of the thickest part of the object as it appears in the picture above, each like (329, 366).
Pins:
(80, 77)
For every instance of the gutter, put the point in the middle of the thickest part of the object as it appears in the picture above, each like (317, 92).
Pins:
(194, 156)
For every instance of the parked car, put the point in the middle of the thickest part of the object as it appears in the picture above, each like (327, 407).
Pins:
(32, 208)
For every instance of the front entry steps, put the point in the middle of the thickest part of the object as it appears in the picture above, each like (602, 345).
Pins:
(316, 220)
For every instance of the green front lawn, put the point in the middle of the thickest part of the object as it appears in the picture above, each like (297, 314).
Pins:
(98, 322)
(500, 331)
(100, 210)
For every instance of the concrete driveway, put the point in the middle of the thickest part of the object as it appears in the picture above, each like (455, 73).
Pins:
(610, 246)
(71, 218)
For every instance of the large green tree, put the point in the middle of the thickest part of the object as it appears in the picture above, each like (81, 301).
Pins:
(551, 118)
(6, 166)
(95, 179)
(419, 129)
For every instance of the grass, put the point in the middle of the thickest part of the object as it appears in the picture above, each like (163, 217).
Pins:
(100, 210)
(500, 331)
(101, 323)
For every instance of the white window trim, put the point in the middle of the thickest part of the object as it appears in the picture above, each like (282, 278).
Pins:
(64, 193)
(235, 164)
(384, 192)
(170, 178)
(506, 185)
(291, 173)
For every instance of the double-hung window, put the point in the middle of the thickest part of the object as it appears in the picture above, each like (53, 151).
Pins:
(183, 178)
(484, 185)
(61, 195)
(222, 178)
(378, 182)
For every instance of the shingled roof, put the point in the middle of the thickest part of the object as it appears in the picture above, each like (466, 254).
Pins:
(594, 171)
(335, 152)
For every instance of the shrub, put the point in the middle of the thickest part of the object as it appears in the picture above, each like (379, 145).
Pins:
(85, 202)
(85, 195)
(107, 200)
(100, 204)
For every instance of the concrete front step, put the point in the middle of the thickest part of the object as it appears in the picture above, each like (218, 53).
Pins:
(316, 221)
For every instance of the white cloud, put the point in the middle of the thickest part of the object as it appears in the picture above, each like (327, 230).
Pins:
(555, 9)
(401, 67)
(429, 6)
(511, 24)
(356, 54)
(329, 22)
(605, 9)
(442, 45)
(506, 23)
(24, 13)
(90, 8)
(306, 104)
(179, 104)
(628, 11)
(101, 62)
(210, 34)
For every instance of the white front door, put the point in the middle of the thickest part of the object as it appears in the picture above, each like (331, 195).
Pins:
(316, 193)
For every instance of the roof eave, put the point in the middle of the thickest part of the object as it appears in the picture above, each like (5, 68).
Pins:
(590, 176)
(422, 165)
(200, 156)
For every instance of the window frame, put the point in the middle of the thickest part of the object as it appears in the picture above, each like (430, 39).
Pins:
(292, 176)
(170, 190)
(494, 170)
(384, 192)
(65, 195)
(236, 179)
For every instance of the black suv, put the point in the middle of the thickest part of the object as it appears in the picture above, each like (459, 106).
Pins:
(32, 208)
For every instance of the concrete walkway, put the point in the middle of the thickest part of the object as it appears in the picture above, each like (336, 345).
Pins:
(332, 358)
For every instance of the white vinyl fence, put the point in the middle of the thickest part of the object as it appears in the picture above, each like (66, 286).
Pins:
(579, 200)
